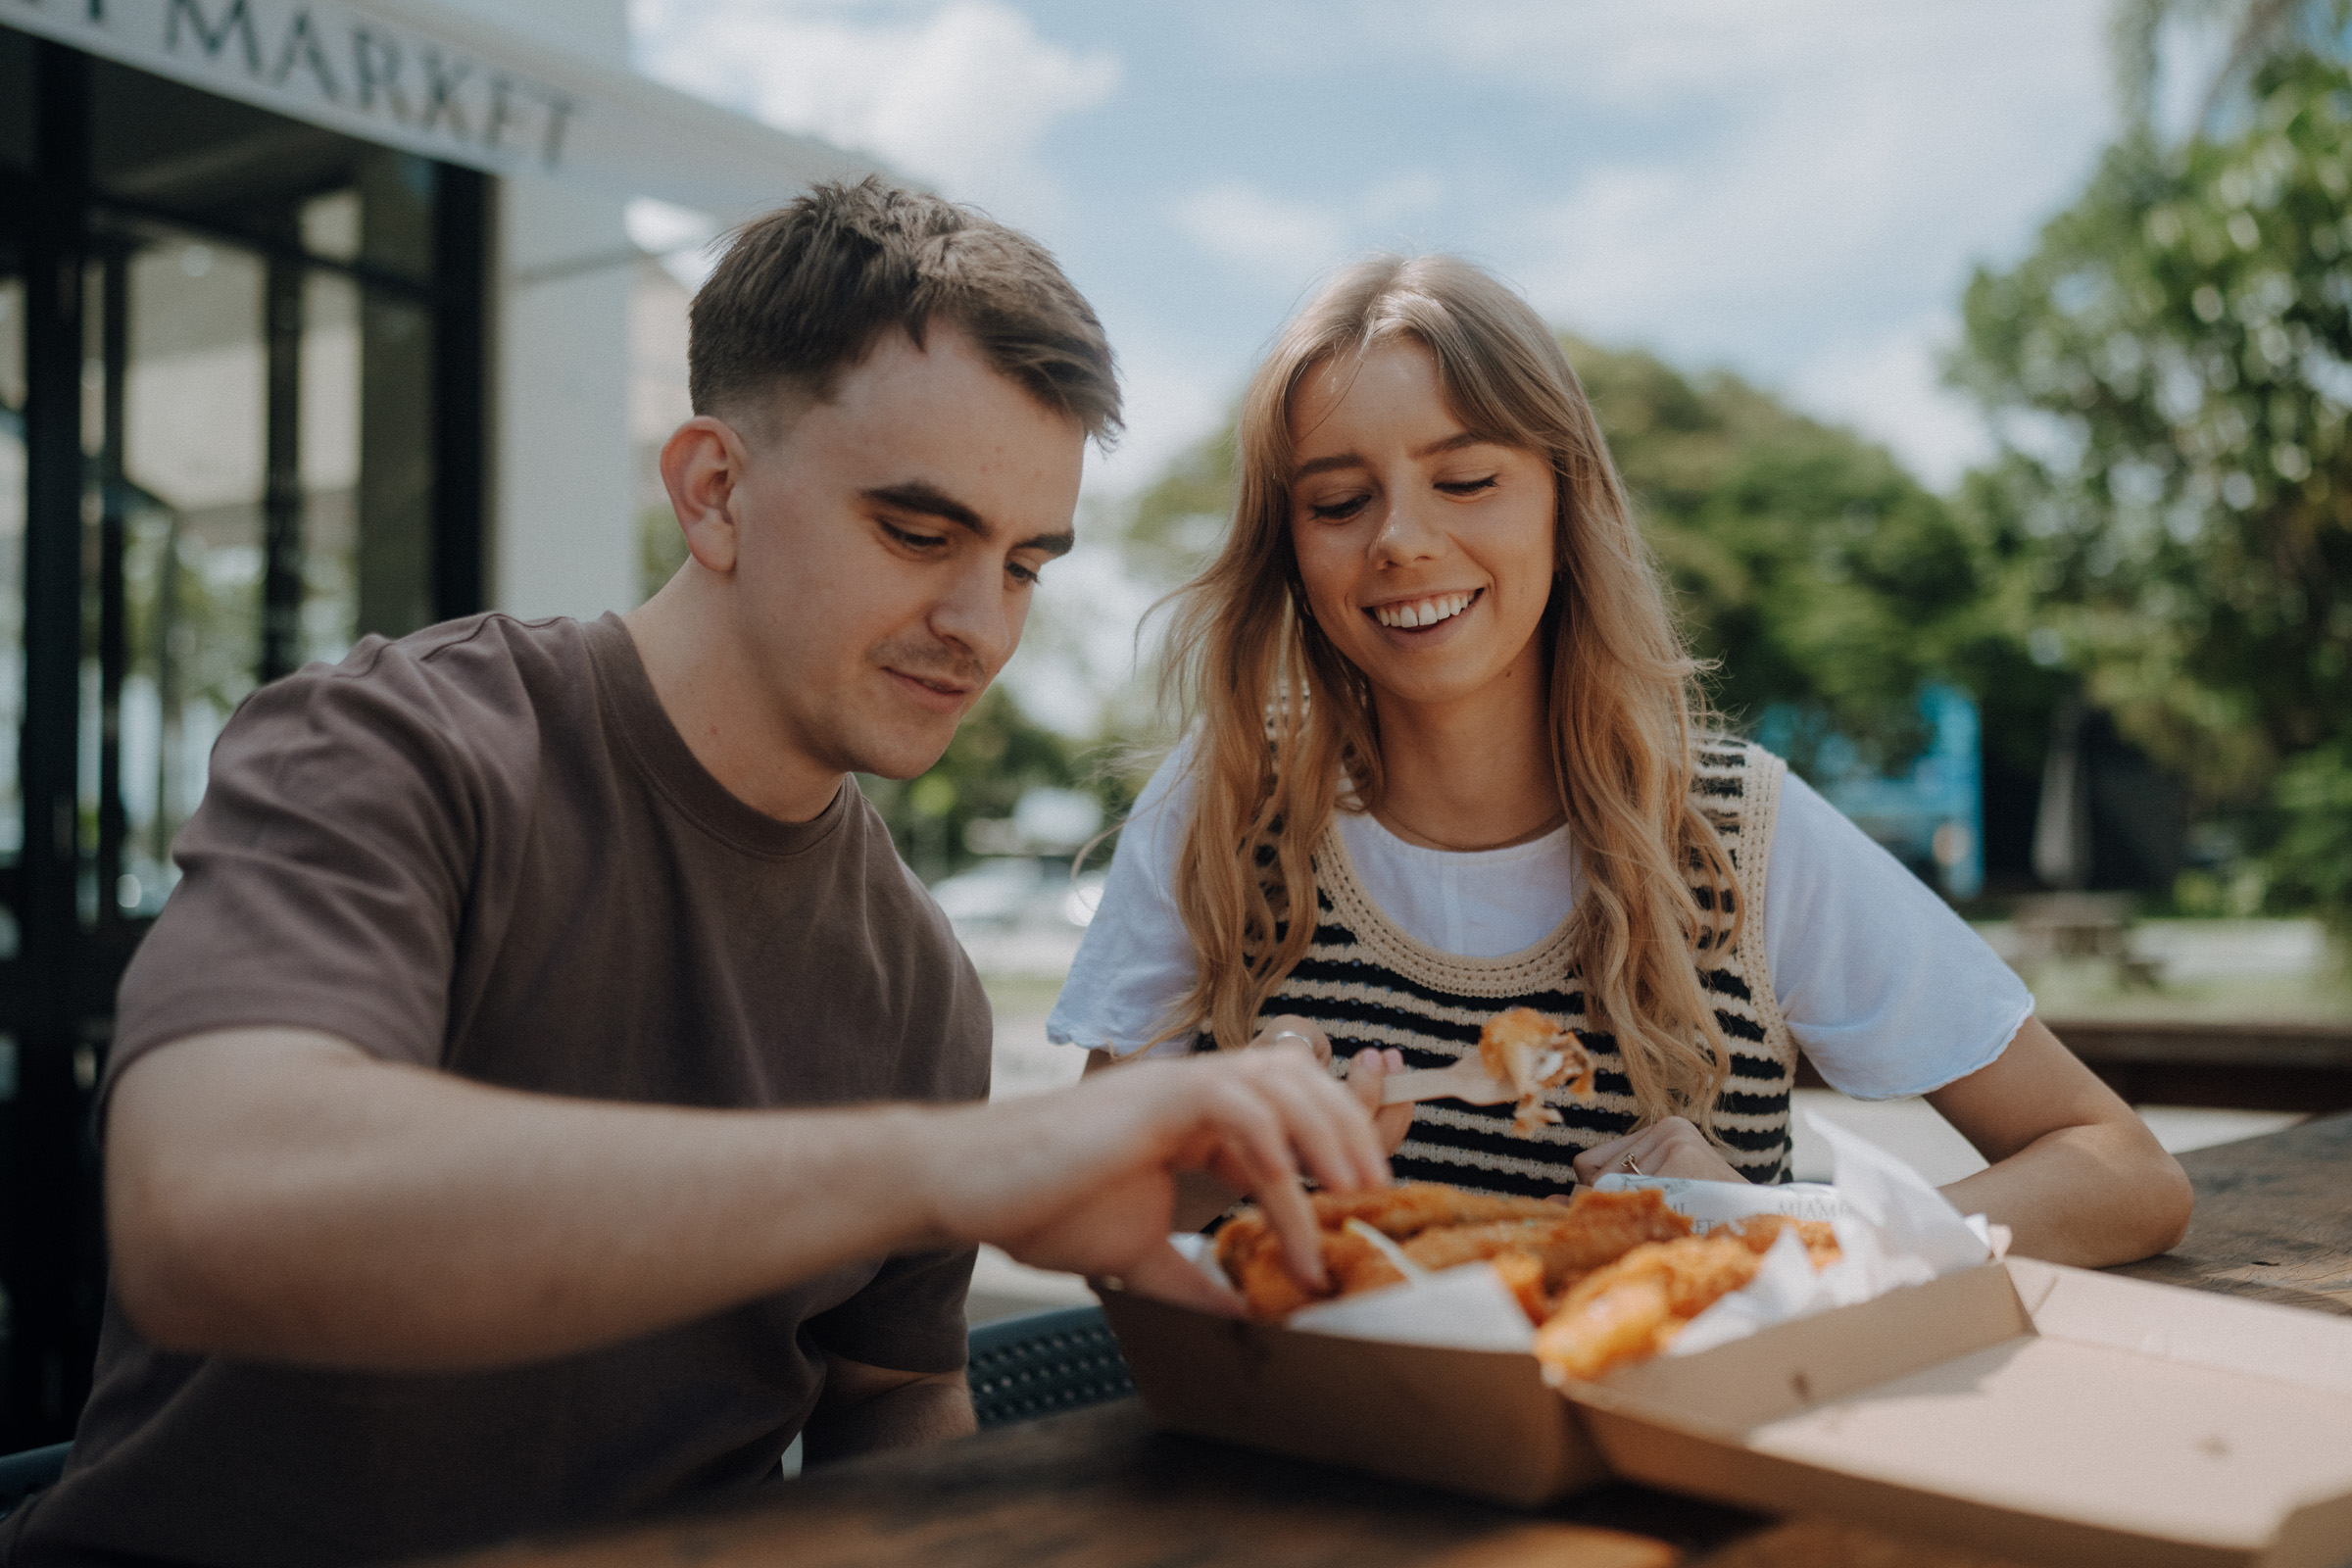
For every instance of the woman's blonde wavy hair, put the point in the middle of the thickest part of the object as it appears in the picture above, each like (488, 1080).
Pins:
(1282, 718)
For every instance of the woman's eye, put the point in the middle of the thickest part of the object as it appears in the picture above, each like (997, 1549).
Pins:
(1464, 487)
(1338, 510)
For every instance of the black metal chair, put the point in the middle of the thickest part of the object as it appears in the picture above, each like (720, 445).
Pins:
(24, 1474)
(1043, 1364)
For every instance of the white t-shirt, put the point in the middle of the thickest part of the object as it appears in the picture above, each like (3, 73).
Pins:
(1885, 988)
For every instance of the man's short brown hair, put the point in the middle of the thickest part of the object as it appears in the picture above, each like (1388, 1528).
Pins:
(802, 293)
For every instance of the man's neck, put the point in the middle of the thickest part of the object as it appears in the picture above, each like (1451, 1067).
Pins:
(712, 697)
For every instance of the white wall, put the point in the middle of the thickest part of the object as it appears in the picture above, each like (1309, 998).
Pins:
(562, 521)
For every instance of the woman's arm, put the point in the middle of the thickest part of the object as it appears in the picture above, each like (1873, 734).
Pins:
(2076, 1176)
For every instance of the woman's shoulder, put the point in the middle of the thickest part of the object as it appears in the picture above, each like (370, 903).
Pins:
(1732, 776)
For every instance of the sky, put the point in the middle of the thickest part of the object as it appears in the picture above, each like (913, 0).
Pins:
(1796, 190)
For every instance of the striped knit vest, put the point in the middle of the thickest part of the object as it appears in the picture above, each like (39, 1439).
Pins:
(1367, 983)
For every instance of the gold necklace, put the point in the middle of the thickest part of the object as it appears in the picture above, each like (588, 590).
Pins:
(1432, 841)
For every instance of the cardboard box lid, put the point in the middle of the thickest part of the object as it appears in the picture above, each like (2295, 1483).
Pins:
(2118, 1420)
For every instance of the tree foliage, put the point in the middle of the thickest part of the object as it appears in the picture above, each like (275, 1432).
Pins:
(2173, 369)
(998, 755)
(1807, 564)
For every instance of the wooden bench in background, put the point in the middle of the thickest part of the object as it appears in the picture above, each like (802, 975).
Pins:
(2236, 1066)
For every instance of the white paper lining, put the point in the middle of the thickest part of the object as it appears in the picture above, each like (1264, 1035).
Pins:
(1893, 1228)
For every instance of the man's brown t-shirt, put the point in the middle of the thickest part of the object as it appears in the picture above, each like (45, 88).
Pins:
(485, 848)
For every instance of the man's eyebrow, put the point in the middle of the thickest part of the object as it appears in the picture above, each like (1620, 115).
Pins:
(928, 500)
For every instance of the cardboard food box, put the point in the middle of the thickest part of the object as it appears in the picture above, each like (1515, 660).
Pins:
(2021, 1407)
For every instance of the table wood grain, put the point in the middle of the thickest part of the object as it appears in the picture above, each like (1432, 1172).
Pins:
(1101, 1488)
(2274, 1219)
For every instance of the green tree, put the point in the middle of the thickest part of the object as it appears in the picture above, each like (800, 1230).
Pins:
(1810, 566)
(2173, 365)
(998, 755)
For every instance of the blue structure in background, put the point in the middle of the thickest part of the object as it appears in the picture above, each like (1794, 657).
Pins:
(1932, 818)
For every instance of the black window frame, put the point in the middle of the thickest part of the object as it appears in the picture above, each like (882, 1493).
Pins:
(57, 993)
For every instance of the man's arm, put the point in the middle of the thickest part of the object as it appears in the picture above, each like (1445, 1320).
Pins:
(280, 1194)
(869, 1408)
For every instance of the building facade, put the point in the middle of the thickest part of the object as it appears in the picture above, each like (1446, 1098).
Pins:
(314, 323)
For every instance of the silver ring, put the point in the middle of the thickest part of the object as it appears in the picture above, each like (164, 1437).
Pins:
(1291, 1034)
(1630, 1167)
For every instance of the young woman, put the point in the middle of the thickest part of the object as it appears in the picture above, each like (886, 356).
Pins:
(1443, 761)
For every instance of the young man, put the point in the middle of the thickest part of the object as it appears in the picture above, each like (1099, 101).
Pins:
(517, 1117)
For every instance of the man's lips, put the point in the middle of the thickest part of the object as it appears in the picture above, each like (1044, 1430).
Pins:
(930, 692)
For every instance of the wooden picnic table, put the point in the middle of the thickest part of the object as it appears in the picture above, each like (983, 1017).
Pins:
(1100, 1489)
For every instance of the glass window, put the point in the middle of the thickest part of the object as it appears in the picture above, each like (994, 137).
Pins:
(16, 100)
(161, 146)
(11, 591)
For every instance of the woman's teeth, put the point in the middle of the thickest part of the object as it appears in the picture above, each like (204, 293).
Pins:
(1416, 612)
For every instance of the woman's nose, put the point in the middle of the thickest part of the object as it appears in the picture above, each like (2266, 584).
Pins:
(1406, 531)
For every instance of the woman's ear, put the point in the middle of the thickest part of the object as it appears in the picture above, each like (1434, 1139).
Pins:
(701, 468)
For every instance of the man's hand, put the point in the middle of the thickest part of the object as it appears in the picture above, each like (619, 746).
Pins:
(1365, 1070)
(1085, 1180)
(1668, 1148)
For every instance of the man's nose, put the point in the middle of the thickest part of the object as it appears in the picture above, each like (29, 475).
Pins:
(972, 614)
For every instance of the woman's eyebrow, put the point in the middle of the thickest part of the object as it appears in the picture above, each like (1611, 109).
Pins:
(1350, 460)
(1315, 466)
(1455, 443)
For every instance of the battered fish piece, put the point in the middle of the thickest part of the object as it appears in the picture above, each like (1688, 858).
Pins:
(1593, 1229)
(1633, 1308)
(1251, 1253)
(1542, 1248)
(1819, 1236)
(1532, 1054)
(1408, 1208)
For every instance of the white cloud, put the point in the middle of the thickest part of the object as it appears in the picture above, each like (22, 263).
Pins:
(1174, 395)
(1287, 242)
(961, 95)
(1891, 388)
(1279, 240)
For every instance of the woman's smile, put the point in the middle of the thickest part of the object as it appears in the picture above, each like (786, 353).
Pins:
(1425, 612)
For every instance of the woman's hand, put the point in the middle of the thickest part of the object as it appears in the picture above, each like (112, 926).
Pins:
(1365, 1071)
(1668, 1148)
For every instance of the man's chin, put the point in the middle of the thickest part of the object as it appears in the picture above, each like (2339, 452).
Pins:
(901, 755)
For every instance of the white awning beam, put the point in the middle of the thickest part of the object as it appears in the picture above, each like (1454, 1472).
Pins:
(418, 76)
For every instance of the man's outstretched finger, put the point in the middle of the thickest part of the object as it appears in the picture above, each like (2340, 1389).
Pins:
(1328, 1130)
(1294, 1220)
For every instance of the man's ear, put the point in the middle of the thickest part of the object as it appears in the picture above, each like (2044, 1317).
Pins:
(702, 463)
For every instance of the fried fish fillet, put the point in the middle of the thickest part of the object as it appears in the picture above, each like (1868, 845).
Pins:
(1528, 1051)
(1631, 1308)
(1592, 1229)
(1408, 1208)
(1440, 1227)
(1250, 1253)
